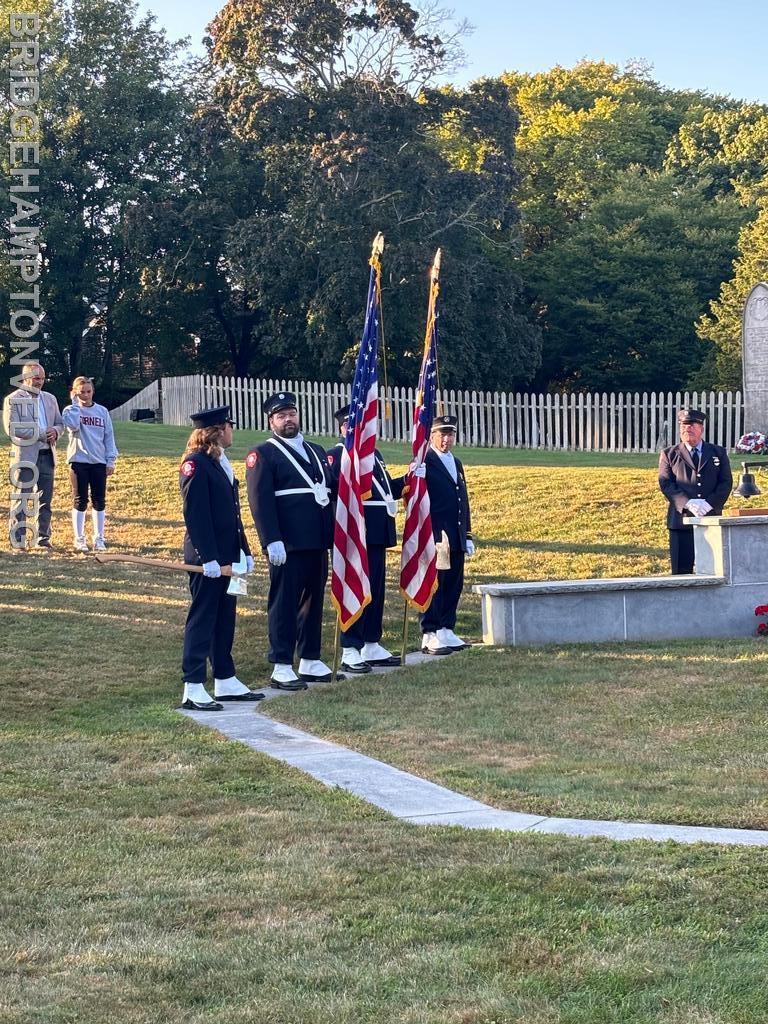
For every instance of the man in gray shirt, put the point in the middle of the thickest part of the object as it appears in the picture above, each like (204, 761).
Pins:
(32, 420)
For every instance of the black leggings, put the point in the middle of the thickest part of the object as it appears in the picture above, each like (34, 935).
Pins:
(83, 475)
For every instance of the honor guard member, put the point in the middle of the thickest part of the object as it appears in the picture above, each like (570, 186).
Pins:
(214, 537)
(449, 509)
(695, 477)
(289, 492)
(361, 641)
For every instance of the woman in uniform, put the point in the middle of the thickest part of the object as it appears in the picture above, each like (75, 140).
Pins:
(214, 537)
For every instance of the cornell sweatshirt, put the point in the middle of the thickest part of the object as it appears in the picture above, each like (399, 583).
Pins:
(91, 437)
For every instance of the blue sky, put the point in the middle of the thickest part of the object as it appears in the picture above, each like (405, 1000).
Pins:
(696, 45)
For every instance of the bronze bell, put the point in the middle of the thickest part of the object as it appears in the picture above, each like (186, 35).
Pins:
(747, 487)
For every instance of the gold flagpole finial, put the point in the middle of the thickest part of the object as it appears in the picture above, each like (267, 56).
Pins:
(436, 264)
(378, 245)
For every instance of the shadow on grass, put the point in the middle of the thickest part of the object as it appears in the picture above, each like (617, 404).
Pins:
(556, 546)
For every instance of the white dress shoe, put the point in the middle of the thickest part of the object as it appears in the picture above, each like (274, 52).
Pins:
(233, 689)
(449, 639)
(352, 661)
(375, 654)
(284, 678)
(312, 670)
(431, 645)
(197, 698)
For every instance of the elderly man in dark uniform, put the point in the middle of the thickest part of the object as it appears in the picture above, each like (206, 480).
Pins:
(362, 647)
(215, 537)
(289, 492)
(695, 477)
(449, 509)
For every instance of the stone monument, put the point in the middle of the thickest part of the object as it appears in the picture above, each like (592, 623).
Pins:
(754, 354)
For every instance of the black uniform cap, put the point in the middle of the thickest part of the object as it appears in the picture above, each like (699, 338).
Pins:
(445, 423)
(342, 414)
(691, 416)
(212, 417)
(282, 400)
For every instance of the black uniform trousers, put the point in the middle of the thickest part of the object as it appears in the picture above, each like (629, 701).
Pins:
(210, 629)
(295, 615)
(368, 628)
(441, 614)
(681, 551)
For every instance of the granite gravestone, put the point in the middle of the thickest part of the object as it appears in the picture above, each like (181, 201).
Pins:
(754, 353)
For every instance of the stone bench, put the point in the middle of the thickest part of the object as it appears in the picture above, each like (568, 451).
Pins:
(718, 601)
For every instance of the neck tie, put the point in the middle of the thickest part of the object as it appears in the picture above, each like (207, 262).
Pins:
(695, 457)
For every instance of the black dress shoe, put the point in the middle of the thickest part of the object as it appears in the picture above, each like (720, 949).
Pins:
(296, 685)
(249, 696)
(357, 670)
(43, 542)
(440, 650)
(210, 705)
(393, 659)
(307, 678)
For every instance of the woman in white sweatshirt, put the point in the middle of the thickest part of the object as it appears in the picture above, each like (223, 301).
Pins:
(91, 454)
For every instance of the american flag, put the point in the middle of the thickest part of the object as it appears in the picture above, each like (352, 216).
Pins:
(418, 568)
(350, 582)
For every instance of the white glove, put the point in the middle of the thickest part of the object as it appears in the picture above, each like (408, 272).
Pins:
(212, 570)
(698, 507)
(420, 471)
(249, 563)
(276, 552)
(470, 548)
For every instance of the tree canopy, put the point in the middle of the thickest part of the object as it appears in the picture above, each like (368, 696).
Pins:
(598, 230)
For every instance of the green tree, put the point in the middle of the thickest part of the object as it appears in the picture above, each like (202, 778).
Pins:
(110, 119)
(580, 128)
(720, 326)
(620, 293)
(351, 145)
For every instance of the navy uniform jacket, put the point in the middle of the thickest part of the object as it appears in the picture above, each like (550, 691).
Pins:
(680, 482)
(295, 519)
(211, 512)
(448, 502)
(379, 524)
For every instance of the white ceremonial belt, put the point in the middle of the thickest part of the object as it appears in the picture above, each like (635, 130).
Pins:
(298, 490)
(383, 504)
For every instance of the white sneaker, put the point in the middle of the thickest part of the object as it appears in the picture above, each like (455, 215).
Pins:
(449, 639)
(431, 645)
(352, 661)
(312, 670)
(98, 544)
(233, 689)
(375, 654)
(284, 678)
(81, 545)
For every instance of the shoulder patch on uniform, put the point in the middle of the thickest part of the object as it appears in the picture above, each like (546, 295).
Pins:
(188, 468)
(251, 459)
(330, 459)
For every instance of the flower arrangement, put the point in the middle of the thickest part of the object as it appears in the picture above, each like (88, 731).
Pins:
(753, 443)
(762, 629)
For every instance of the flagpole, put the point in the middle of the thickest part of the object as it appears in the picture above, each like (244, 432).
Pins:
(405, 633)
(336, 648)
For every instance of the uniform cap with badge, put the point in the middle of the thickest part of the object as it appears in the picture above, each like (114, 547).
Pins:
(278, 402)
(445, 424)
(691, 416)
(342, 414)
(212, 417)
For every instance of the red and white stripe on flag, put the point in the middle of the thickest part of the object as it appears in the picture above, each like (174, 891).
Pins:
(350, 580)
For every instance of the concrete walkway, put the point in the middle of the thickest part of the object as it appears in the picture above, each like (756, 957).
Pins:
(421, 802)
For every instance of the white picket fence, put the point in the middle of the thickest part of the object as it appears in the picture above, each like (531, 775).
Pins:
(623, 422)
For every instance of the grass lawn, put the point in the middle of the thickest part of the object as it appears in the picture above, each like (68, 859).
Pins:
(157, 873)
